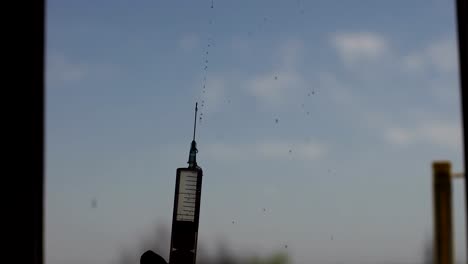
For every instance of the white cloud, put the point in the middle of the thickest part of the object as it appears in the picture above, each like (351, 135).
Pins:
(239, 44)
(291, 51)
(224, 151)
(273, 89)
(62, 69)
(340, 93)
(439, 133)
(441, 55)
(266, 150)
(278, 86)
(426, 129)
(442, 133)
(414, 62)
(188, 42)
(399, 136)
(358, 46)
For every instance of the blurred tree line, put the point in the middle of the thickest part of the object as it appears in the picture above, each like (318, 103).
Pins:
(158, 240)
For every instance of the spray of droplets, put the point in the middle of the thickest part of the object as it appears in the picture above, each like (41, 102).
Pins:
(205, 67)
(309, 92)
(264, 21)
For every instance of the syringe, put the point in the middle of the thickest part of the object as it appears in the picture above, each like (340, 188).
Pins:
(186, 213)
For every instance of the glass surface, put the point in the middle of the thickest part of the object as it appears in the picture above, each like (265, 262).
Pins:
(318, 124)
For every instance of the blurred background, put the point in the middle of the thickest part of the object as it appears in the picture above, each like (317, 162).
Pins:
(319, 121)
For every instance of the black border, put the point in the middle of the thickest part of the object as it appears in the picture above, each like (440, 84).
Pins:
(23, 173)
(462, 28)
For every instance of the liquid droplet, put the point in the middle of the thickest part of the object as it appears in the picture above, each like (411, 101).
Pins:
(94, 203)
(308, 113)
(290, 151)
(233, 222)
(206, 61)
(313, 92)
(285, 246)
(264, 210)
(276, 120)
(276, 77)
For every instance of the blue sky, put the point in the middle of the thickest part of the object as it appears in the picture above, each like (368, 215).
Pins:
(365, 94)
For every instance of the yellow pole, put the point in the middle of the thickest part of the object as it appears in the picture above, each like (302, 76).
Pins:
(443, 242)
